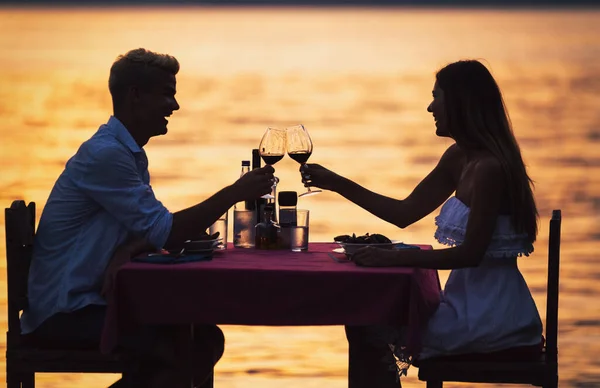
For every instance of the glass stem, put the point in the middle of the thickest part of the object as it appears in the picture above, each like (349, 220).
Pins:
(303, 167)
(275, 182)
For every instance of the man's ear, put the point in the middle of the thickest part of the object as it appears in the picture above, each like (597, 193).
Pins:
(133, 94)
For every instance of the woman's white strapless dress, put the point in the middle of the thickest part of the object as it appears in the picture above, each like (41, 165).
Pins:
(486, 308)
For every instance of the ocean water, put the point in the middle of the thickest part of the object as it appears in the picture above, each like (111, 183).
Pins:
(360, 80)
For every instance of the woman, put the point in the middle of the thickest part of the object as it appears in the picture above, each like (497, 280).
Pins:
(491, 220)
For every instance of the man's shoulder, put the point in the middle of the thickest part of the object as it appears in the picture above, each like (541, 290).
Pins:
(102, 148)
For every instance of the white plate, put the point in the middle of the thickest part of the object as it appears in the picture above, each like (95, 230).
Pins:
(351, 248)
(204, 241)
(202, 245)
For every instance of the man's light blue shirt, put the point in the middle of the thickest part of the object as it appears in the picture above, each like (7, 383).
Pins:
(101, 198)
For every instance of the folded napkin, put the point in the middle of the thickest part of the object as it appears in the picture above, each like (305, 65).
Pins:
(141, 251)
(167, 258)
(405, 246)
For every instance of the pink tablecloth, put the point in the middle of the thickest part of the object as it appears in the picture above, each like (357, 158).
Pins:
(280, 288)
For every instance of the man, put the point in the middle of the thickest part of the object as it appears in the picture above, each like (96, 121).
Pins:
(103, 200)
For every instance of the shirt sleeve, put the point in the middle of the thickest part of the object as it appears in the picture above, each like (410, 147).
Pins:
(109, 175)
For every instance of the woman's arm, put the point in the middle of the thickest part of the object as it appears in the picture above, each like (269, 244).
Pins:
(486, 198)
(429, 194)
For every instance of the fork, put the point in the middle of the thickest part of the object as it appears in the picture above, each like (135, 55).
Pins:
(338, 260)
(177, 255)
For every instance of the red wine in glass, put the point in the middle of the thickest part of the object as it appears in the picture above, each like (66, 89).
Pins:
(300, 156)
(299, 148)
(272, 150)
(271, 159)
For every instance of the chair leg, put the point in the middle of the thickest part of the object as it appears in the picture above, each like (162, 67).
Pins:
(551, 382)
(13, 380)
(435, 384)
(28, 380)
(20, 380)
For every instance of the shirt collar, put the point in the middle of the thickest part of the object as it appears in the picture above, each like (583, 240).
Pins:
(116, 127)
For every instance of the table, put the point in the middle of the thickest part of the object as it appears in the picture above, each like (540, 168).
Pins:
(272, 288)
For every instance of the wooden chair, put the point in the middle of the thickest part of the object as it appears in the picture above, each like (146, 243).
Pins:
(541, 371)
(24, 360)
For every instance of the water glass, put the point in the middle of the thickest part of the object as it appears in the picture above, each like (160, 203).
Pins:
(244, 222)
(299, 232)
(220, 226)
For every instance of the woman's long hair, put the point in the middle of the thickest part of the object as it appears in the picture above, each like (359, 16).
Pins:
(477, 117)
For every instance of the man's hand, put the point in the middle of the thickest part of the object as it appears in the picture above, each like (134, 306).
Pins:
(255, 183)
(316, 175)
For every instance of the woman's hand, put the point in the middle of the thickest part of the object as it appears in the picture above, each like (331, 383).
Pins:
(375, 257)
(315, 175)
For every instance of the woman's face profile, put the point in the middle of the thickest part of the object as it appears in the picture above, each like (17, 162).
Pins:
(438, 110)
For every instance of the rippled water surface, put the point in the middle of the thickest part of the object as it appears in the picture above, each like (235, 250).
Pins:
(359, 80)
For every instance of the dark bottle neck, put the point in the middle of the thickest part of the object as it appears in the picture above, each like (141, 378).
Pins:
(267, 215)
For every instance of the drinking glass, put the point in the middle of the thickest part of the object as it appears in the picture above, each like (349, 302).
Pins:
(299, 232)
(272, 150)
(299, 148)
(220, 226)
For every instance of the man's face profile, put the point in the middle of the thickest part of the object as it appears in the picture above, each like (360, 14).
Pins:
(154, 103)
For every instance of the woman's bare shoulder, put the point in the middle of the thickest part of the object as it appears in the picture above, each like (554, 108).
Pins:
(453, 155)
(453, 161)
(454, 151)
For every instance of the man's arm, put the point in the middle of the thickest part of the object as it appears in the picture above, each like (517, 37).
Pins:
(110, 177)
(112, 180)
(190, 222)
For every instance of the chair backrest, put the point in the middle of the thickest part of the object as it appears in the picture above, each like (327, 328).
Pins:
(553, 286)
(20, 231)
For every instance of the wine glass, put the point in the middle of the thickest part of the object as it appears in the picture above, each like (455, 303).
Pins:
(299, 148)
(272, 150)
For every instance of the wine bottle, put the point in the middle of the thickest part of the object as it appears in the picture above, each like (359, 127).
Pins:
(260, 202)
(244, 224)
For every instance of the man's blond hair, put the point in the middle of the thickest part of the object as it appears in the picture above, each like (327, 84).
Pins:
(139, 68)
